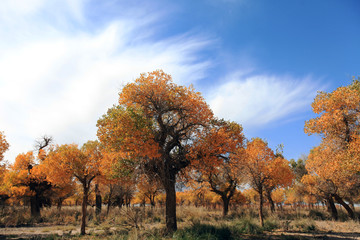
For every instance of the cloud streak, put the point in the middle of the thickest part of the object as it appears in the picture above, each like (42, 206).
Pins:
(61, 82)
(257, 100)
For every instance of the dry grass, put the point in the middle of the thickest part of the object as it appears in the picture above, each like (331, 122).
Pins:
(193, 223)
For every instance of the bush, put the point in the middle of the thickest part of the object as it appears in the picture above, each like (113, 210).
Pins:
(271, 224)
(248, 226)
(306, 225)
(316, 215)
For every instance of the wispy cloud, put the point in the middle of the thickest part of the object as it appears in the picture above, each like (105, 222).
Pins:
(256, 100)
(58, 80)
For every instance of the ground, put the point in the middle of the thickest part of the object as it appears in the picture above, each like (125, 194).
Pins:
(193, 223)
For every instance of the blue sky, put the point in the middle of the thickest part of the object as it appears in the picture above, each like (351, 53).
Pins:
(259, 63)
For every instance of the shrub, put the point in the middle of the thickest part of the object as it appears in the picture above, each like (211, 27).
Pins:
(248, 226)
(316, 215)
(271, 224)
(307, 225)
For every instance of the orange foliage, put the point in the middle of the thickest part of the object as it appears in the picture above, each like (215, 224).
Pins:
(334, 164)
(218, 159)
(148, 188)
(154, 123)
(4, 146)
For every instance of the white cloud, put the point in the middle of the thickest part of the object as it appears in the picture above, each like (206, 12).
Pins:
(59, 82)
(256, 100)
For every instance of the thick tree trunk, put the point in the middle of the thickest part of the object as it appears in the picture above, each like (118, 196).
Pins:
(83, 208)
(345, 205)
(332, 208)
(170, 204)
(225, 205)
(98, 200)
(35, 207)
(261, 214)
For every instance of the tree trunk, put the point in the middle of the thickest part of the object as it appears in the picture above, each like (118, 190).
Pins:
(271, 202)
(98, 200)
(225, 205)
(170, 203)
(152, 201)
(261, 214)
(109, 200)
(345, 205)
(35, 207)
(351, 204)
(83, 208)
(59, 204)
(332, 208)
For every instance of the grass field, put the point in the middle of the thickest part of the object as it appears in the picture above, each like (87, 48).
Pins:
(193, 223)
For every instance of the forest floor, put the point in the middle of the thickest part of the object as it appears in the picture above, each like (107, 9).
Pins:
(193, 223)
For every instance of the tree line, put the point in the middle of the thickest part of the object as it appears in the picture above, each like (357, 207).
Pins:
(160, 134)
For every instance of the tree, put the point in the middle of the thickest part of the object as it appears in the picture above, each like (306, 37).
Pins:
(279, 176)
(155, 122)
(4, 146)
(28, 180)
(336, 161)
(258, 164)
(298, 167)
(149, 188)
(83, 164)
(117, 173)
(217, 159)
(332, 178)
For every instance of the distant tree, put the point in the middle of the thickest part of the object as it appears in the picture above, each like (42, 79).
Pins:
(298, 167)
(27, 179)
(149, 188)
(217, 159)
(83, 164)
(258, 165)
(279, 176)
(4, 145)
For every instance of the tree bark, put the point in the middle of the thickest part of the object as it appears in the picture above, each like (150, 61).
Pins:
(59, 204)
(35, 207)
(225, 205)
(261, 200)
(271, 202)
(170, 203)
(332, 208)
(109, 200)
(98, 200)
(345, 205)
(152, 201)
(83, 208)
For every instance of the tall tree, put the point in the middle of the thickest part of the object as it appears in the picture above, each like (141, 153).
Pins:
(155, 123)
(336, 160)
